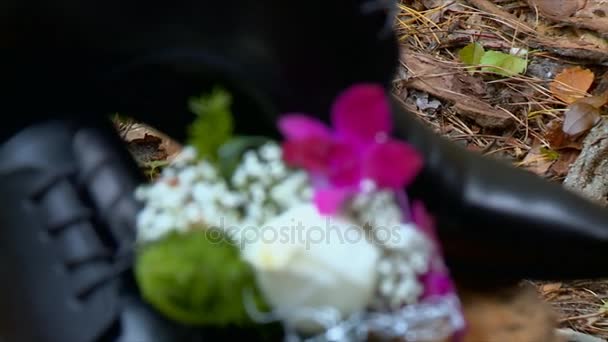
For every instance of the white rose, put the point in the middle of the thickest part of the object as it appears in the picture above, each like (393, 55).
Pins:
(305, 261)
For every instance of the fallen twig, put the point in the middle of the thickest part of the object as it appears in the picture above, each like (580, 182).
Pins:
(453, 85)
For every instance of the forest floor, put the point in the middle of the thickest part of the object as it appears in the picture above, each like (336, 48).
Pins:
(538, 119)
(530, 87)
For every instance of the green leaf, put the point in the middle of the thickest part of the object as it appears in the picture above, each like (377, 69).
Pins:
(196, 278)
(153, 168)
(549, 154)
(503, 64)
(471, 54)
(213, 125)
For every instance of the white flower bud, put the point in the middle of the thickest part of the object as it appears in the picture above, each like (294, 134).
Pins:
(165, 196)
(419, 263)
(254, 214)
(271, 152)
(165, 220)
(408, 291)
(203, 194)
(168, 172)
(403, 267)
(258, 193)
(159, 225)
(207, 171)
(231, 200)
(239, 177)
(187, 176)
(250, 161)
(186, 155)
(387, 286)
(141, 193)
(406, 238)
(145, 218)
(277, 170)
(192, 213)
(286, 194)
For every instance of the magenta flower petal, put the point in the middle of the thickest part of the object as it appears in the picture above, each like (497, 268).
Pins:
(312, 154)
(329, 201)
(361, 113)
(437, 283)
(345, 165)
(392, 164)
(300, 126)
(425, 222)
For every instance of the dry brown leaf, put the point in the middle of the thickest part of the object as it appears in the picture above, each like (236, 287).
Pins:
(168, 145)
(595, 101)
(579, 118)
(536, 162)
(557, 139)
(572, 83)
(147, 149)
(562, 166)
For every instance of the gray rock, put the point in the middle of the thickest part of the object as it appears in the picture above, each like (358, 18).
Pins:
(588, 175)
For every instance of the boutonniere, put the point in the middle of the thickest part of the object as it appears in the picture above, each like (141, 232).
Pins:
(315, 232)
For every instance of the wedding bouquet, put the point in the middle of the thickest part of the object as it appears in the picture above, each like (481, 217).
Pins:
(315, 231)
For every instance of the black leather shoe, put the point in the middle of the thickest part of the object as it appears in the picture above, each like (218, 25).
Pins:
(66, 243)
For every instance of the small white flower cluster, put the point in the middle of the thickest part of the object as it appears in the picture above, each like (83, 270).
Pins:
(399, 271)
(191, 194)
(406, 251)
(270, 188)
(377, 210)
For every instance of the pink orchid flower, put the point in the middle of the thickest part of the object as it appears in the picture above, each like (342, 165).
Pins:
(358, 148)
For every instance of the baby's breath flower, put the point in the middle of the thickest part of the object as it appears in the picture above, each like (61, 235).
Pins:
(188, 176)
(407, 291)
(406, 251)
(192, 193)
(186, 155)
(271, 152)
(277, 170)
